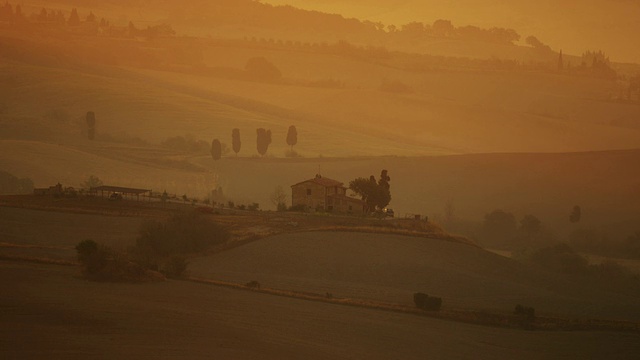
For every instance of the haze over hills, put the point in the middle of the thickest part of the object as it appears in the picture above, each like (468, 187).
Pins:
(512, 169)
(571, 25)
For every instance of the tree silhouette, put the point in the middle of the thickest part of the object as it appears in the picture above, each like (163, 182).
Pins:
(576, 214)
(91, 182)
(91, 125)
(43, 15)
(263, 140)
(374, 194)
(235, 141)
(499, 224)
(216, 149)
(530, 225)
(279, 198)
(384, 197)
(560, 62)
(74, 19)
(6, 12)
(292, 136)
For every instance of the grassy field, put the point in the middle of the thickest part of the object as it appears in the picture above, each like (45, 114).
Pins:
(391, 268)
(55, 314)
(63, 314)
(497, 111)
(459, 138)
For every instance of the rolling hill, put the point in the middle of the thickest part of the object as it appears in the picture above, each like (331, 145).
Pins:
(574, 26)
(186, 320)
(391, 268)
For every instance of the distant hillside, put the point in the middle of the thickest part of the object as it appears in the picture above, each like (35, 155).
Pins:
(239, 19)
(572, 25)
(391, 268)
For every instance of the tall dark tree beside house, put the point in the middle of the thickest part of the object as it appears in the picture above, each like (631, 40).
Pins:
(235, 141)
(376, 194)
(263, 140)
(384, 198)
(216, 149)
(91, 125)
(74, 19)
(292, 136)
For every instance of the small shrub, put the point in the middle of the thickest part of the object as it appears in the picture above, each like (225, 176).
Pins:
(103, 264)
(175, 267)
(527, 312)
(92, 257)
(561, 258)
(253, 285)
(426, 302)
(253, 207)
(298, 208)
(182, 233)
(282, 207)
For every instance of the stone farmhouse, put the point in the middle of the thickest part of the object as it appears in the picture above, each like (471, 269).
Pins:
(324, 194)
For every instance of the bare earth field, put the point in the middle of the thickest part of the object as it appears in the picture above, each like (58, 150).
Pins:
(47, 311)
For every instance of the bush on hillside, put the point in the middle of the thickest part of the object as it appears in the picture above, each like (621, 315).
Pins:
(175, 267)
(298, 208)
(11, 185)
(561, 258)
(527, 312)
(92, 257)
(185, 232)
(103, 264)
(253, 207)
(426, 302)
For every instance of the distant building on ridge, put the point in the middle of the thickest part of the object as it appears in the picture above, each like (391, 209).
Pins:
(324, 194)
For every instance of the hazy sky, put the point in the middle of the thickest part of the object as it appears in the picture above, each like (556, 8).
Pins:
(572, 25)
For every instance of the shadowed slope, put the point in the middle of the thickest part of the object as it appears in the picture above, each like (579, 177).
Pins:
(391, 268)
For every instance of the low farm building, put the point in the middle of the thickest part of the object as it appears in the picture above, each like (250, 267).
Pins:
(324, 194)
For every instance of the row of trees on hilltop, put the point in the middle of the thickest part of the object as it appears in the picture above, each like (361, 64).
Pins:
(56, 16)
(89, 24)
(445, 29)
(263, 140)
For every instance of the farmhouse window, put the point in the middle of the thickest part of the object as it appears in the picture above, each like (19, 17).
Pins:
(308, 191)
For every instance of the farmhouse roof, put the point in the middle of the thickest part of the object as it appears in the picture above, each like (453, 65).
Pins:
(119, 189)
(323, 181)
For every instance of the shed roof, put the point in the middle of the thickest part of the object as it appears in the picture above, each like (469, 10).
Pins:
(120, 189)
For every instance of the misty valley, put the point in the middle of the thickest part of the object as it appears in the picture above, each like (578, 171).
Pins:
(319, 179)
